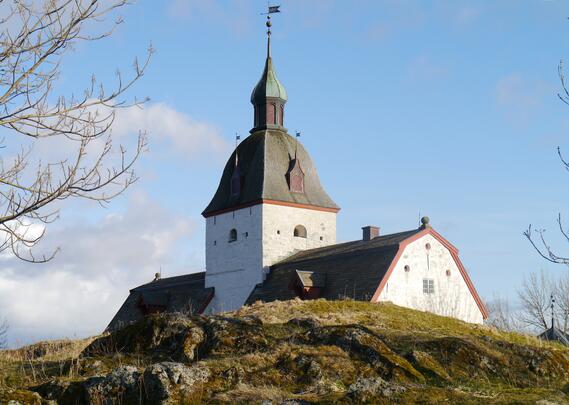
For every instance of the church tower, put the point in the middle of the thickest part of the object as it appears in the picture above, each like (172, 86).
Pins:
(269, 203)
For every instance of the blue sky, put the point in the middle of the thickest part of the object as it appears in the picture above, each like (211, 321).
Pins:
(408, 108)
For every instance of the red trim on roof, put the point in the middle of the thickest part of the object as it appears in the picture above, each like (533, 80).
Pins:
(273, 202)
(453, 252)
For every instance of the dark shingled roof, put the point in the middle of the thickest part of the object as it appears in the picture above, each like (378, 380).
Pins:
(554, 334)
(264, 160)
(185, 293)
(352, 269)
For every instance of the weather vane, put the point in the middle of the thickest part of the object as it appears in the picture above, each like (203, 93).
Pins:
(270, 10)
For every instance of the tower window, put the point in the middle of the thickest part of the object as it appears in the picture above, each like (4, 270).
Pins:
(232, 235)
(428, 286)
(300, 231)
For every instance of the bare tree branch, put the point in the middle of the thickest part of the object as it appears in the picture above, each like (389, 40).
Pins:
(534, 297)
(34, 36)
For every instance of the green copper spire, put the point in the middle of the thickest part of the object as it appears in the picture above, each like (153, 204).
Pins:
(269, 95)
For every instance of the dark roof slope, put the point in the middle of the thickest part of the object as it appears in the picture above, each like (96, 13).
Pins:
(185, 293)
(352, 269)
(264, 160)
(554, 334)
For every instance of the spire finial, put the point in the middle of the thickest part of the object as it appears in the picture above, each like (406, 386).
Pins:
(269, 36)
(270, 10)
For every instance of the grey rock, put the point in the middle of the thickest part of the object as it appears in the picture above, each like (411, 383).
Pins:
(162, 380)
(119, 385)
(366, 388)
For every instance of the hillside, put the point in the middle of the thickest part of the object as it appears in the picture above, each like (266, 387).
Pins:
(293, 352)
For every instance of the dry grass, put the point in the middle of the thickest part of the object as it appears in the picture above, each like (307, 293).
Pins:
(437, 358)
(53, 350)
(385, 317)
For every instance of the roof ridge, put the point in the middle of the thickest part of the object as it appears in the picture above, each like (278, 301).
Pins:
(306, 255)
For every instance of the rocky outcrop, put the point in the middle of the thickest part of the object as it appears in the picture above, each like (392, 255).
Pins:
(171, 337)
(168, 383)
(301, 353)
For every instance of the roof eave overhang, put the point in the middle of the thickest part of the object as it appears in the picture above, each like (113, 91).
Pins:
(272, 202)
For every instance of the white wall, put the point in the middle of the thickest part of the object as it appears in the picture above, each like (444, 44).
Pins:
(451, 297)
(320, 227)
(233, 268)
(265, 237)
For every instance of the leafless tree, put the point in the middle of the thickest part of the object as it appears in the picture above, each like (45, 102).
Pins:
(3, 334)
(535, 300)
(539, 243)
(561, 294)
(501, 315)
(34, 37)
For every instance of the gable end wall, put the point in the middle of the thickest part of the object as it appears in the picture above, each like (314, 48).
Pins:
(452, 296)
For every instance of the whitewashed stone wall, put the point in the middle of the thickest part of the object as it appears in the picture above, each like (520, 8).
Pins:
(451, 294)
(279, 222)
(233, 268)
(265, 236)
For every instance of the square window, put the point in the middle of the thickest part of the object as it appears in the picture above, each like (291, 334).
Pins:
(428, 286)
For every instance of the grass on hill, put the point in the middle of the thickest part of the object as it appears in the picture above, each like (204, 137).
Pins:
(313, 351)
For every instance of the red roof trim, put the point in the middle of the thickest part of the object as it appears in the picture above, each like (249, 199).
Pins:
(273, 202)
(453, 252)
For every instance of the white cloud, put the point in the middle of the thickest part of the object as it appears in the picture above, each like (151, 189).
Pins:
(520, 97)
(186, 135)
(424, 67)
(78, 292)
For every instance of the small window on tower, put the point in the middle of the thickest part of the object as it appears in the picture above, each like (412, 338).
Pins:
(300, 231)
(232, 235)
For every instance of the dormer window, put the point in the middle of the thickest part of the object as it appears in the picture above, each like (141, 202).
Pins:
(295, 177)
(236, 182)
(300, 231)
(232, 235)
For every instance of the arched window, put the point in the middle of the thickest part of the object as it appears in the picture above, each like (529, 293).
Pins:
(300, 231)
(232, 235)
